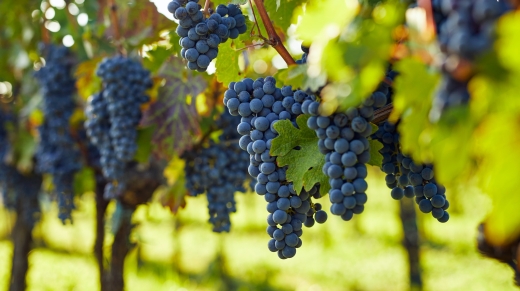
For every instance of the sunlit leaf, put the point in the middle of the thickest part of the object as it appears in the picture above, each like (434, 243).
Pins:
(173, 195)
(227, 62)
(281, 12)
(87, 82)
(499, 176)
(297, 148)
(322, 17)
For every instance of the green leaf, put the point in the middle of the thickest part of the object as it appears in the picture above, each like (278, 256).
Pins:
(498, 176)
(24, 147)
(227, 63)
(297, 148)
(293, 76)
(374, 127)
(321, 16)
(376, 158)
(281, 12)
(144, 146)
(245, 37)
(509, 41)
(173, 194)
(86, 80)
(156, 58)
(412, 101)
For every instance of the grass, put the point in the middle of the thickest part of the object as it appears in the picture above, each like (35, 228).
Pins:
(181, 253)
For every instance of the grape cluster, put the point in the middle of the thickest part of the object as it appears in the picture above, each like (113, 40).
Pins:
(261, 104)
(4, 169)
(200, 36)
(343, 139)
(218, 171)
(465, 32)
(19, 192)
(113, 116)
(57, 153)
(409, 179)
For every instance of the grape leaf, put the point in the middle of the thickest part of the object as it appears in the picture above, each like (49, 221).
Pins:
(86, 80)
(319, 16)
(496, 139)
(281, 12)
(306, 162)
(177, 118)
(173, 194)
(376, 158)
(144, 146)
(227, 63)
(293, 76)
(156, 57)
(142, 21)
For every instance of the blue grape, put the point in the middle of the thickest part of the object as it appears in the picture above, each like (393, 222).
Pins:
(218, 171)
(119, 115)
(57, 154)
(192, 55)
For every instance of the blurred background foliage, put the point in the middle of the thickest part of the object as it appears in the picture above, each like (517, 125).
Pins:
(181, 253)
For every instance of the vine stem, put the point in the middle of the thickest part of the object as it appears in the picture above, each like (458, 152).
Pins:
(114, 21)
(382, 114)
(274, 39)
(46, 36)
(430, 24)
(71, 20)
(206, 7)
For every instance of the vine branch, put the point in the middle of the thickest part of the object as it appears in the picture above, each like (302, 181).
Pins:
(274, 39)
(71, 20)
(206, 7)
(114, 21)
(430, 23)
(46, 36)
(382, 114)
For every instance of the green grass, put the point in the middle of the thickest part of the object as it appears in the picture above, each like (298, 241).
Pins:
(181, 253)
